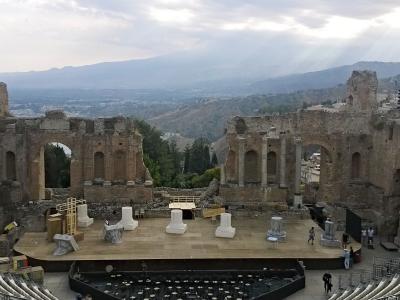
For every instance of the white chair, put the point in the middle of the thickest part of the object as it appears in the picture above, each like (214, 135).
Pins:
(127, 220)
(83, 218)
(176, 226)
(225, 230)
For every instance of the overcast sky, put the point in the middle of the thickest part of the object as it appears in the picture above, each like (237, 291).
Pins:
(42, 34)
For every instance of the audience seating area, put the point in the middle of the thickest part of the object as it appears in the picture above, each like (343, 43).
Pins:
(238, 284)
(15, 287)
(384, 284)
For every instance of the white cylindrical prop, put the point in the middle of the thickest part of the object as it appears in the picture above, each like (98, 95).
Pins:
(225, 230)
(176, 216)
(176, 225)
(83, 218)
(127, 220)
(225, 220)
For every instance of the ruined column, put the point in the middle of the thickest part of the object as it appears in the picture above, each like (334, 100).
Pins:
(241, 141)
(264, 162)
(298, 200)
(3, 100)
(222, 176)
(283, 162)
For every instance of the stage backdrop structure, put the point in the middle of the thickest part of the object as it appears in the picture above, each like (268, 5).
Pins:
(276, 230)
(69, 209)
(328, 237)
(113, 233)
(225, 230)
(176, 226)
(64, 244)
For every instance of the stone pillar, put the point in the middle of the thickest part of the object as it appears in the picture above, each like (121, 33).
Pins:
(264, 162)
(397, 238)
(298, 166)
(298, 198)
(3, 100)
(223, 176)
(282, 171)
(241, 141)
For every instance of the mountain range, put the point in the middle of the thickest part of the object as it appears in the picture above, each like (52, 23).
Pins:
(202, 76)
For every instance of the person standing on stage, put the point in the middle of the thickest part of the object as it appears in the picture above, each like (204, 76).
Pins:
(345, 240)
(364, 237)
(370, 234)
(311, 236)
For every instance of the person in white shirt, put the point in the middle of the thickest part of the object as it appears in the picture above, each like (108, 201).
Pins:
(370, 233)
(364, 237)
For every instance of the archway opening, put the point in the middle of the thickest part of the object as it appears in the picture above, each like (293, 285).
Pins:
(396, 183)
(11, 170)
(316, 170)
(356, 166)
(119, 166)
(99, 170)
(272, 167)
(231, 173)
(252, 168)
(57, 164)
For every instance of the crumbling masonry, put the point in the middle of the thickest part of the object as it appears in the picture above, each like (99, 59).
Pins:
(360, 161)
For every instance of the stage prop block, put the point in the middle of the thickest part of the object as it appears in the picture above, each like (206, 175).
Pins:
(83, 218)
(54, 226)
(225, 230)
(113, 233)
(328, 237)
(176, 225)
(64, 244)
(276, 230)
(127, 220)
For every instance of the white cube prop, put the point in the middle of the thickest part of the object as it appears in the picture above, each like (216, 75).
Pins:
(176, 225)
(83, 218)
(225, 230)
(127, 220)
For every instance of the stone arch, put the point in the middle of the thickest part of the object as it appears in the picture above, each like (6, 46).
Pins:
(98, 165)
(38, 165)
(230, 167)
(325, 147)
(11, 169)
(119, 165)
(356, 165)
(57, 175)
(251, 167)
(350, 100)
(318, 169)
(240, 126)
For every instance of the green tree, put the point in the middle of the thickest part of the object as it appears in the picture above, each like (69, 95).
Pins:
(199, 156)
(161, 157)
(57, 167)
(214, 160)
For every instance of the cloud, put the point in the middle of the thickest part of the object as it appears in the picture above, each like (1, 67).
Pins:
(40, 34)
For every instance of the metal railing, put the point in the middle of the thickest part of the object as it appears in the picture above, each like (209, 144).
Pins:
(384, 267)
(354, 278)
(184, 199)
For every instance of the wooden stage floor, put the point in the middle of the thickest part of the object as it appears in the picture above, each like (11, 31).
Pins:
(149, 241)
